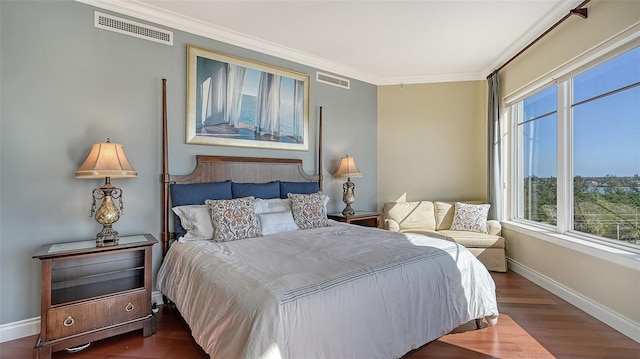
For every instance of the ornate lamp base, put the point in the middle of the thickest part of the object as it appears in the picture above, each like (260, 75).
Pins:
(348, 197)
(107, 237)
(107, 214)
(348, 211)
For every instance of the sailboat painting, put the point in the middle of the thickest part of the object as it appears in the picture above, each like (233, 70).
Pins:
(237, 102)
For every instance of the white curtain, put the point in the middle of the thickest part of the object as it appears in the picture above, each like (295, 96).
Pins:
(268, 119)
(298, 110)
(214, 94)
(205, 105)
(235, 80)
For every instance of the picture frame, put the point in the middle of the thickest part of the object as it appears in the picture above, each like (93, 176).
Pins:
(238, 102)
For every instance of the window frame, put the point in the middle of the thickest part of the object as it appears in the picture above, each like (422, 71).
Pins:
(562, 78)
(518, 112)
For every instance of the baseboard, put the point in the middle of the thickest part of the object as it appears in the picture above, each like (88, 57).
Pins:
(156, 297)
(20, 329)
(606, 315)
(31, 326)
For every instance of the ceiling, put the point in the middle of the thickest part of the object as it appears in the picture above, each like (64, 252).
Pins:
(380, 42)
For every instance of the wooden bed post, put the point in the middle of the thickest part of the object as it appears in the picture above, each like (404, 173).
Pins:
(164, 177)
(320, 151)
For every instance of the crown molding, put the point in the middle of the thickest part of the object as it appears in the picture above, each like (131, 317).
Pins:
(136, 9)
(180, 22)
(422, 79)
(555, 14)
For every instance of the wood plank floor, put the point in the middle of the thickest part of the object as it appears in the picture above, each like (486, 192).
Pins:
(533, 324)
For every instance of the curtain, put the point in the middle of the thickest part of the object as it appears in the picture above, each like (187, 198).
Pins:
(298, 110)
(235, 80)
(268, 116)
(214, 94)
(494, 194)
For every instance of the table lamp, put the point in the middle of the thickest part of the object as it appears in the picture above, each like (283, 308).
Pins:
(348, 169)
(107, 160)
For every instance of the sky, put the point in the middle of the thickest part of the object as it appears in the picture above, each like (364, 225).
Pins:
(606, 138)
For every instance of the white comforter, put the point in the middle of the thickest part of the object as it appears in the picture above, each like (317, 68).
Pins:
(343, 291)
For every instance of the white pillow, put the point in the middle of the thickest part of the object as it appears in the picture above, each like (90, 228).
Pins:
(279, 204)
(325, 201)
(272, 205)
(196, 220)
(276, 222)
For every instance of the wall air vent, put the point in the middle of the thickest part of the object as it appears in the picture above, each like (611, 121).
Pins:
(132, 28)
(333, 80)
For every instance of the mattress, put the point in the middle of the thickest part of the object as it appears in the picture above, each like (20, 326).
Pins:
(342, 291)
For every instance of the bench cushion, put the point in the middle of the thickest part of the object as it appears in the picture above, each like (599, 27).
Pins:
(474, 239)
(411, 216)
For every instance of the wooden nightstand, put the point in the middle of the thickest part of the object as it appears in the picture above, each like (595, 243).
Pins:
(367, 219)
(91, 293)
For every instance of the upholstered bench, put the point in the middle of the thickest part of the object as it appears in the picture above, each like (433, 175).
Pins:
(469, 227)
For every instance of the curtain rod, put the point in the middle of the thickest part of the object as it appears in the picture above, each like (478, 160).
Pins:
(578, 10)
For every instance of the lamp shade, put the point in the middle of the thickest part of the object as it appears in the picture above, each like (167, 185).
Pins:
(347, 168)
(106, 159)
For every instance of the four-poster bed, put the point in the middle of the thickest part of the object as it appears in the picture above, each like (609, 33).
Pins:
(324, 289)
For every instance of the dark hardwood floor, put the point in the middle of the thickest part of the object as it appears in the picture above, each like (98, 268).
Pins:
(533, 324)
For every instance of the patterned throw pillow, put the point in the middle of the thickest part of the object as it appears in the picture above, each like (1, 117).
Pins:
(233, 219)
(470, 217)
(308, 210)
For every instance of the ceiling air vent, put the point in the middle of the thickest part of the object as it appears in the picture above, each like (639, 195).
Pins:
(132, 28)
(333, 80)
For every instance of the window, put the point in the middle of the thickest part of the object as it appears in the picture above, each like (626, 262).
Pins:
(578, 143)
(606, 149)
(537, 128)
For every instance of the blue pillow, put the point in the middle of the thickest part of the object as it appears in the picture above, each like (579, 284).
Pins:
(298, 188)
(196, 193)
(258, 190)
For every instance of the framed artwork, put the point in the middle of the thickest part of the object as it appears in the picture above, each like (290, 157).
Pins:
(237, 102)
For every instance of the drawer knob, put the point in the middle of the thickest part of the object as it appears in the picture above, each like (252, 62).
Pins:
(68, 322)
(129, 307)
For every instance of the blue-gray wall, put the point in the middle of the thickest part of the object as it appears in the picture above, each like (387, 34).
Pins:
(66, 85)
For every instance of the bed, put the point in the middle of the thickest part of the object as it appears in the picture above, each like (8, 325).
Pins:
(322, 290)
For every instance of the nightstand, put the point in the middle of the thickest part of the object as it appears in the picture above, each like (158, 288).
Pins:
(367, 219)
(90, 293)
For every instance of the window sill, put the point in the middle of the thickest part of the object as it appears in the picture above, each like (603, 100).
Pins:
(624, 257)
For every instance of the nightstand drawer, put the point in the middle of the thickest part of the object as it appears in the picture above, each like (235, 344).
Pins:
(366, 219)
(77, 318)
